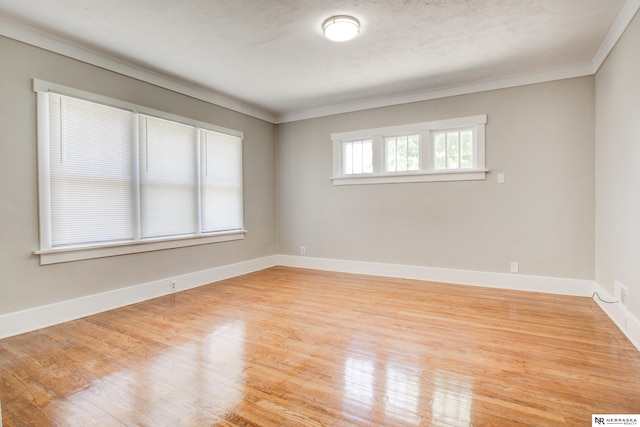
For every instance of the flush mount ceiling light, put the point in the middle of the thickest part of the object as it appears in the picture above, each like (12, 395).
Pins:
(341, 28)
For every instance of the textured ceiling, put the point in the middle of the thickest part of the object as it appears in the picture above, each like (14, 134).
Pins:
(271, 53)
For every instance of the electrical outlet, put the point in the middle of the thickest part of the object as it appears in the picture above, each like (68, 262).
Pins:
(514, 267)
(303, 250)
(620, 293)
(624, 296)
(172, 286)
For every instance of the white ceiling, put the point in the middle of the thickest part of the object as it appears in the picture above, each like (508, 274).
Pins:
(270, 55)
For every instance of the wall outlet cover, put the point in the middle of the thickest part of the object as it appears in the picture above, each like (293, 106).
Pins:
(620, 292)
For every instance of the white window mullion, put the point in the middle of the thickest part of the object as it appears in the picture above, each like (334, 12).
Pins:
(378, 154)
(426, 147)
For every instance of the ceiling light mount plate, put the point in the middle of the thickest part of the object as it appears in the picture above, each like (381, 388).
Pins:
(341, 28)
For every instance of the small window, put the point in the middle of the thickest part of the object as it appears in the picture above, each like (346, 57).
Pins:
(443, 150)
(402, 153)
(453, 149)
(357, 157)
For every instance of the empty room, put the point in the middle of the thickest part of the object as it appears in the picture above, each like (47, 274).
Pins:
(319, 213)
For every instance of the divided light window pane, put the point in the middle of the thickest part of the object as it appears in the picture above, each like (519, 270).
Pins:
(453, 149)
(221, 169)
(466, 149)
(91, 170)
(357, 157)
(403, 153)
(168, 178)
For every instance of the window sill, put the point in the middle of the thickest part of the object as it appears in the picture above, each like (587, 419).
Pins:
(59, 255)
(454, 175)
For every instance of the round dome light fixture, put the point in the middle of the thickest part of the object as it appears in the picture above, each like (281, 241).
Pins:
(341, 28)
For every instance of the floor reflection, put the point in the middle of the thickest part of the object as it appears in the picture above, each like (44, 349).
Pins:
(202, 373)
(452, 399)
(402, 391)
(359, 381)
(392, 386)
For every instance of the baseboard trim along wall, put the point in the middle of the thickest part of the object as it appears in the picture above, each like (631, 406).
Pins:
(521, 282)
(625, 321)
(41, 317)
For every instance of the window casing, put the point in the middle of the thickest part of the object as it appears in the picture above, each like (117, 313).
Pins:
(117, 178)
(443, 150)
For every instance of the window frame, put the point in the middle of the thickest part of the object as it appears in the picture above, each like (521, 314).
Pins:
(427, 171)
(49, 254)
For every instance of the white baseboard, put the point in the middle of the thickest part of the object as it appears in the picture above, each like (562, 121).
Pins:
(521, 282)
(625, 321)
(52, 314)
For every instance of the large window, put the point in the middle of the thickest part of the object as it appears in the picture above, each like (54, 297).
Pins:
(443, 150)
(117, 178)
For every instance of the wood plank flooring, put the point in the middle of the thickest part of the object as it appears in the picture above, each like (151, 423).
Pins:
(292, 347)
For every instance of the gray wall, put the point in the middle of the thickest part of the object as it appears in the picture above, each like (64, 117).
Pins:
(540, 136)
(23, 282)
(618, 167)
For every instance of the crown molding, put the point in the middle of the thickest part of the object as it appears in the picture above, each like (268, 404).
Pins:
(580, 70)
(33, 37)
(628, 11)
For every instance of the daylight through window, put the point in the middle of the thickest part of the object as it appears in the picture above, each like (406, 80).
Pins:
(442, 150)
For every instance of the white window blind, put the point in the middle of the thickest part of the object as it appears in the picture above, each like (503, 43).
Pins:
(221, 166)
(168, 178)
(91, 169)
(117, 178)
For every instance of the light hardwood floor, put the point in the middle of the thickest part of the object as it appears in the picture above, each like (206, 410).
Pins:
(291, 347)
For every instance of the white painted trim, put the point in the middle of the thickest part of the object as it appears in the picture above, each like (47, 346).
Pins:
(579, 70)
(58, 255)
(64, 311)
(521, 282)
(624, 320)
(66, 48)
(628, 11)
(395, 177)
(40, 317)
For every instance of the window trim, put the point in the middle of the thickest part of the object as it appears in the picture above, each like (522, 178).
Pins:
(51, 255)
(427, 172)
